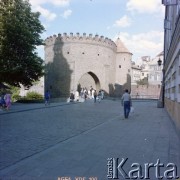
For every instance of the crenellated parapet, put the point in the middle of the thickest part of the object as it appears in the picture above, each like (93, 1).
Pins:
(77, 38)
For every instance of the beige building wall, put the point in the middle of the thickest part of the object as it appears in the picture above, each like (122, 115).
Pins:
(172, 62)
(123, 68)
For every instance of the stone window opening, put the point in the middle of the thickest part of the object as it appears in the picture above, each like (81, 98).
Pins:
(82, 52)
(67, 52)
(119, 66)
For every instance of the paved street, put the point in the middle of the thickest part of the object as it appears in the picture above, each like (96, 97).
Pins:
(75, 140)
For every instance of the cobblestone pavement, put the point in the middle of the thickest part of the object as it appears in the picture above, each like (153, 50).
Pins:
(38, 142)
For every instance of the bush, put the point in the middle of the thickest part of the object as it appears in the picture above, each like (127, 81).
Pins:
(15, 97)
(33, 96)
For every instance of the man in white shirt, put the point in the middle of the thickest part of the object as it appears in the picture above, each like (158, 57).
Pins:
(126, 102)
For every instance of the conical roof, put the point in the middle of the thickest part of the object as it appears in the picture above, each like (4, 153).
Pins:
(121, 48)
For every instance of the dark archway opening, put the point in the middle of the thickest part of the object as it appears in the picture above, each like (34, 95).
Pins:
(88, 80)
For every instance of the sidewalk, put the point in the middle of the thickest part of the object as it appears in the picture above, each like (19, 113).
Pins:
(76, 140)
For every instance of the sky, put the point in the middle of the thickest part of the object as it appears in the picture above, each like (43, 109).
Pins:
(138, 23)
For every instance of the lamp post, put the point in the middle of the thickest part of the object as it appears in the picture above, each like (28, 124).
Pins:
(161, 99)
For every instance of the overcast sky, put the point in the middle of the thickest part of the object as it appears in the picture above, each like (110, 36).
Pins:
(138, 23)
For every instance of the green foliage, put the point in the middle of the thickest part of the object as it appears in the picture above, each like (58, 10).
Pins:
(15, 93)
(15, 97)
(143, 81)
(33, 96)
(20, 31)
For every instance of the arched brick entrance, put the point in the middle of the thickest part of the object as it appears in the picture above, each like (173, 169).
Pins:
(89, 79)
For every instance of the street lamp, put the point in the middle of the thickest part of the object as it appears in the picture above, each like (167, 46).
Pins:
(159, 62)
(161, 99)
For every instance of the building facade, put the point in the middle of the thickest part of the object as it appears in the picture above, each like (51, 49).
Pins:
(155, 74)
(147, 77)
(171, 80)
(148, 68)
(85, 61)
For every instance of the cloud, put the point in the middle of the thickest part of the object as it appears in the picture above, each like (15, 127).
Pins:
(123, 22)
(142, 44)
(67, 13)
(145, 6)
(46, 13)
(50, 16)
(54, 2)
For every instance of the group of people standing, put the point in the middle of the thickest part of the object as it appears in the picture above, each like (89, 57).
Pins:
(5, 101)
(99, 96)
(86, 94)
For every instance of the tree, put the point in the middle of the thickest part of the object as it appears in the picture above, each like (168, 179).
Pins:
(20, 31)
(143, 81)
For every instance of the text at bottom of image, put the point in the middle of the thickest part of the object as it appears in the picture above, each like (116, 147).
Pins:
(77, 178)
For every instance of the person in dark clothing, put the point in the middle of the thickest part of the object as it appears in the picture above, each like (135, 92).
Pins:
(126, 102)
(95, 95)
(47, 98)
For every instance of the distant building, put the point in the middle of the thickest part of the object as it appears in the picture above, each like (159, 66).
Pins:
(148, 68)
(155, 71)
(136, 74)
(147, 77)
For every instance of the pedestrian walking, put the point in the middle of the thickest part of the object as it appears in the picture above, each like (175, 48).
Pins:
(95, 96)
(47, 98)
(126, 102)
(2, 102)
(102, 94)
(99, 96)
(93, 91)
(7, 99)
(76, 96)
(71, 98)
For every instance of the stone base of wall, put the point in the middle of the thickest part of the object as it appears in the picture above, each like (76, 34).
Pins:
(145, 91)
(173, 108)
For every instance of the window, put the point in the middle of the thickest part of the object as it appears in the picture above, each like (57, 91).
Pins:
(173, 90)
(119, 66)
(155, 77)
(174, 76)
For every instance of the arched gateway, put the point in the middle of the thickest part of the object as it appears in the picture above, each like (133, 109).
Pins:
(89, 79)
(86, 60)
